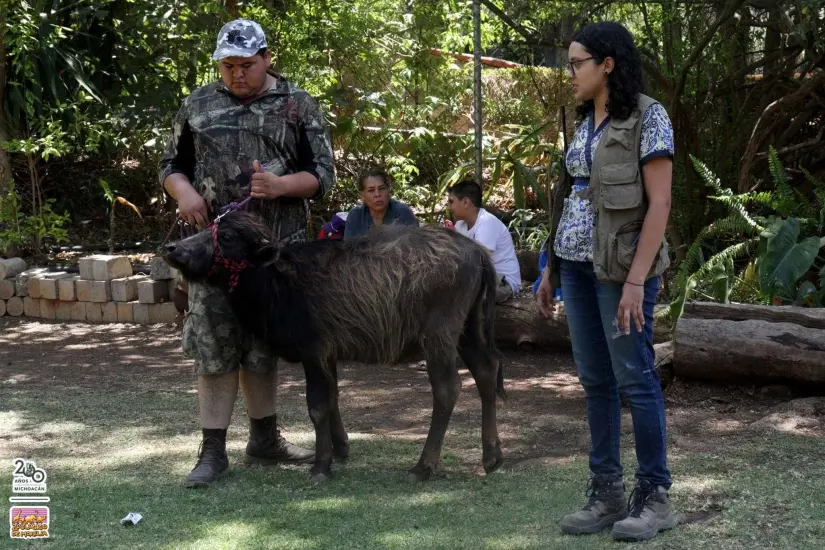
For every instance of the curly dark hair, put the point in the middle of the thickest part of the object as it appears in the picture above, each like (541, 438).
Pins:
(624, 83)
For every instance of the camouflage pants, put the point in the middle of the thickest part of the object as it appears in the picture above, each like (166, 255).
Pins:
(213, 337)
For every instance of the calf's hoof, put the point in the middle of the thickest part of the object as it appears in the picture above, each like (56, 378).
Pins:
(341, 454)
(420, 473)
(319, 479)
(490, 467)
(493, 460)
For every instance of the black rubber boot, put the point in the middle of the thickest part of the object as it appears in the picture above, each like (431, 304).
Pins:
(267, 446)
(213, 461)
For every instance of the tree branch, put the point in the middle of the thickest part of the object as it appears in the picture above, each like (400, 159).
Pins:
(730, 81)
(767, 119)
(699, 49)
(651, 37)
(510, 22)
(655, 72)
(811, 143)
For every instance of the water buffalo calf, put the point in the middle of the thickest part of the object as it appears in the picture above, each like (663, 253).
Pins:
(375, 299)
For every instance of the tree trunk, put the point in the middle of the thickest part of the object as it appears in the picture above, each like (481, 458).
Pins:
(5, 163)
(739, 343)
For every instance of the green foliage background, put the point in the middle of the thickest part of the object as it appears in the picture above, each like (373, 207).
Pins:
(89, 89)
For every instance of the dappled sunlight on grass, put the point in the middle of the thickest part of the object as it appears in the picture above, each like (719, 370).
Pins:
(127, 439)
(419, 537)
(723, 426)
(699, 484)
(315, 505)
(243, 535)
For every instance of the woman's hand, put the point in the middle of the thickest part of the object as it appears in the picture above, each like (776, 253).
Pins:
(630, 307)
(544, 297)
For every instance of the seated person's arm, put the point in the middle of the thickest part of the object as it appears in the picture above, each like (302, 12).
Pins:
(486, 237)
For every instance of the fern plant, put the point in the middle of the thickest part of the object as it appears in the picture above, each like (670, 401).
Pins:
(715, 277)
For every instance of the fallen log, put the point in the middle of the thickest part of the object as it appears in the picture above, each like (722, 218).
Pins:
(520, 325)
(738, 342)
(11, 267)
(663, 354)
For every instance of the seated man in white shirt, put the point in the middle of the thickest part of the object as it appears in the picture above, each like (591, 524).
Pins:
(464, 200)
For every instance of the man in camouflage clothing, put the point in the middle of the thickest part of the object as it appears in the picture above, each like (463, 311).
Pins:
(252, 133)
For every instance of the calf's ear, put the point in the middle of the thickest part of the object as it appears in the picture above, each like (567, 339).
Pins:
(267, 252)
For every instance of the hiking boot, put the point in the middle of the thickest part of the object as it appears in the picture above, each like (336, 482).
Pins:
(212, 463)
(650, 513)
(605, 506)
(267, 446)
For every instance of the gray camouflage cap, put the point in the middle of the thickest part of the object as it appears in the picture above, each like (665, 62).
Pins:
(239, 38)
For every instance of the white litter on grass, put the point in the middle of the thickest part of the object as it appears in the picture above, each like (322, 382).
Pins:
(132, 518)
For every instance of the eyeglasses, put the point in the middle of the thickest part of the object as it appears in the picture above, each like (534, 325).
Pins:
(573, 65)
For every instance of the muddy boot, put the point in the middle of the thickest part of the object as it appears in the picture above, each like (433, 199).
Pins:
(605, 506)
(267, 446)
(212, 460)
(650, 513)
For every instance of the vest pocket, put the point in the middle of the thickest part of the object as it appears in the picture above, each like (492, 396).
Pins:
(621, 246)
(620, 187)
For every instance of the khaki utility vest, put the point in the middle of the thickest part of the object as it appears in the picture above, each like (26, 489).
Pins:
(619, 201)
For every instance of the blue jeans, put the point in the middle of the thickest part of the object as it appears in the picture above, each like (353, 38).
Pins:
(607, 366)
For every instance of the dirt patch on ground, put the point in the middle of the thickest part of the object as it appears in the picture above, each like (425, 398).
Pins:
(543, 421)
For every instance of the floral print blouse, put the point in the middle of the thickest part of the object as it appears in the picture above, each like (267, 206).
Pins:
(574, 238)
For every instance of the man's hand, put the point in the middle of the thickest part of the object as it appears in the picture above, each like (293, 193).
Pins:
(265, 185)
(191, 206)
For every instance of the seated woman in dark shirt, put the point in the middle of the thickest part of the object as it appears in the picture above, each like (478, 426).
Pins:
(378, 207)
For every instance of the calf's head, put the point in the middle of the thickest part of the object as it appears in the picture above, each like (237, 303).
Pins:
(233, 243)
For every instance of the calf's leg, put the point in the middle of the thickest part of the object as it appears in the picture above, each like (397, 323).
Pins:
(318, 403)
(340, 440)
(483, 365)
(446, 387)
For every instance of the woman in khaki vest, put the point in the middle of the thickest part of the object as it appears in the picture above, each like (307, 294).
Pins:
(607, 251)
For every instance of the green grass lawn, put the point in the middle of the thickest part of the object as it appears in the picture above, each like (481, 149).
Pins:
(109, 452)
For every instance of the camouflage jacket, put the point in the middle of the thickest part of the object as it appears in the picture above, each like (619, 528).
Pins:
(215, 138)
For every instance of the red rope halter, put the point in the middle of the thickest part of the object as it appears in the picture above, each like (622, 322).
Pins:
(235, 267)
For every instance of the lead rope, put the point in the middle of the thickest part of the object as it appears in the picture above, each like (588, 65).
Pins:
(186, 229)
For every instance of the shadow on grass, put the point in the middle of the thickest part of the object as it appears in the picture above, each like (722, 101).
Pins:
(106, 458)
(111, 414)
(110, 453)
